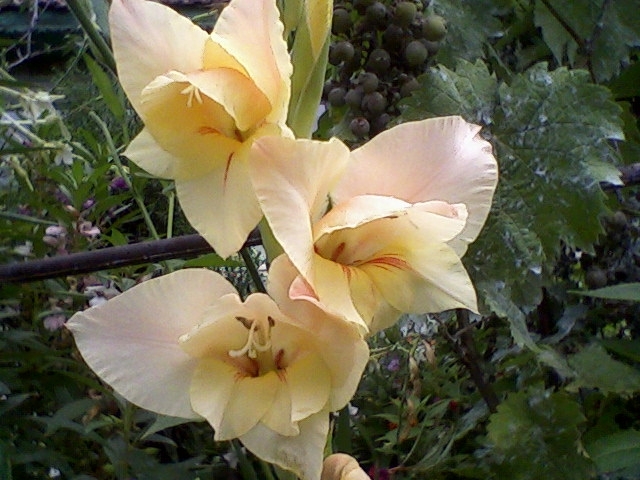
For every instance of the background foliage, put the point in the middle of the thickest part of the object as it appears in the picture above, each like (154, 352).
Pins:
(545, 384)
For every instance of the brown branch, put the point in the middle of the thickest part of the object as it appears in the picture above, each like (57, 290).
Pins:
(187, 246)
(464, 345)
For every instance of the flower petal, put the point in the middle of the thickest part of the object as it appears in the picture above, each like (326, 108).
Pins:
(432, 276)
(278, 418)
(145, 152)
(435, 159)
(302, 454)
(221, 205)
(343, 350)
(131, 341)
(231, 404)
(195, 129)
(309, 382)
(150, 39)
(237, 93)
(251, 31)
(292, 179)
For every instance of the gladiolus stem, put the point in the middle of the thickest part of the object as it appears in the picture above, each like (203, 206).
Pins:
(253, 271)
(99, 43)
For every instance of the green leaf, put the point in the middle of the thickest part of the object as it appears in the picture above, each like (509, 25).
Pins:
(608, 28)
(535, 435)
(596, 369)
(106, 86)
(625, 348)
(623, 291)
(615, 452)
(212, 260)
(161, 422)
(470, 91)
(470, 25)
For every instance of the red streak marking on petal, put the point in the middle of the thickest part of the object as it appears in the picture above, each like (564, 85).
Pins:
(337, 252)
(389, 261)
(245, 367)
(347, 272)
(205, 130)
(226, 171)
(278, 359)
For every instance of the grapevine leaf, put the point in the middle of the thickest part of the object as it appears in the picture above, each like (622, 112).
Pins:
(470, 23)
(596, 369)
(535, 435)
(615, 452)
(606, 31)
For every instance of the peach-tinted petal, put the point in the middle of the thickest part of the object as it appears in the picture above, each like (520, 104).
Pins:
(223, 85)
(211, 385)
(131, 341)
(302, 454)
(437, 159)
(342, 348)
(218, 331)
(253, 34)
(309, 382)
(231, 403)
(145, 152)
(196, 130)
(278, 418)
(292, 179)
(150, 39)
(350, 236)
(432, 276)
(221, 205)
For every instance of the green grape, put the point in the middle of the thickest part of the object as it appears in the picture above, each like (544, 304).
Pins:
(404, 14)
(415, 53)
(434, 28)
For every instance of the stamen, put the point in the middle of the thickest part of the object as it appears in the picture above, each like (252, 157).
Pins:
(192, 91)
(253, 345)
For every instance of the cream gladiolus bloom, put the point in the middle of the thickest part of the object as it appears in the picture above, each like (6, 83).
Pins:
(404, 208)
(203, 98)
(267, 373)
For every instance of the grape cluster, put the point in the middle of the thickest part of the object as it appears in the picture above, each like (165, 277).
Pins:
(378, 49)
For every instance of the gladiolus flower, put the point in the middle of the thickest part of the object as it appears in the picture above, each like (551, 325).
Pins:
(404, 208)
(267, 373)
(203, 99)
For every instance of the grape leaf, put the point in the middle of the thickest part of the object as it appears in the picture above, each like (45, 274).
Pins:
(616, 451)
(470, 23)
(606, 31)
(596, 369)
(535, 435)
